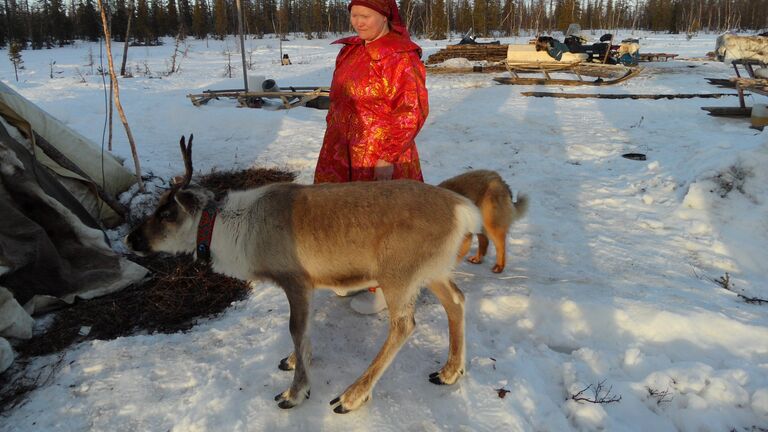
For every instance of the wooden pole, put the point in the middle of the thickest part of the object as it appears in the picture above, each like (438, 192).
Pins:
(65, 162)
(627, 96)
(242, 44)
(116, 94)
(111, 110)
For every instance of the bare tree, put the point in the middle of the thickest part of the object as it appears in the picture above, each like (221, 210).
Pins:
(116, 94)
(127, 38)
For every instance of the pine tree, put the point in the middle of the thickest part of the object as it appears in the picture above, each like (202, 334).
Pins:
(88, 23)
(186, 14)
(142, 28)
(479, 17)
(158, 22)
(200, 20)
(172, 17)
(566, 12)
(39, 36)
(319, 16)
(220, 19)
(508, 12)
(493, 16)
(283, 18)
(59, 26)
(14, 54)
(439, 25)
(119, 20)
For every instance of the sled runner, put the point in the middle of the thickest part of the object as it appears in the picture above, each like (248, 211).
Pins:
(578, 69)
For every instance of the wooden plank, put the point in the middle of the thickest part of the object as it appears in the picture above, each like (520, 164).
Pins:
(627, 96)
(721, 82)
(729, 111)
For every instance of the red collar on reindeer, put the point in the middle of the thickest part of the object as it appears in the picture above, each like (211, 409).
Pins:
(205, 231)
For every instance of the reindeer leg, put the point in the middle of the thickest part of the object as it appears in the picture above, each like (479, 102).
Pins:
(298, 298)
(482, 248)
(452, 300)
(401, 325)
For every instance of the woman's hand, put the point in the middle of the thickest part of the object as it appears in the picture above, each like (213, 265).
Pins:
(383, 170)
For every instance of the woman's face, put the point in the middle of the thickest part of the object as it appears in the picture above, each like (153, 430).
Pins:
(369, 24)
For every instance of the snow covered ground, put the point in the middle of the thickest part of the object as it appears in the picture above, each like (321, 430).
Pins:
(610, 278)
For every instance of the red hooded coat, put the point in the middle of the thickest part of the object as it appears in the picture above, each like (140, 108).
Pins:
(378, 105)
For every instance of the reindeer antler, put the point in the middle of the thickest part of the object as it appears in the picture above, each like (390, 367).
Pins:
(186, 153)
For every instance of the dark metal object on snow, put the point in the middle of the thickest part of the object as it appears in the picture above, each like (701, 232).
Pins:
(634, 156)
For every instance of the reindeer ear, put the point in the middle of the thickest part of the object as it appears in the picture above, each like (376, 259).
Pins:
(189, 201)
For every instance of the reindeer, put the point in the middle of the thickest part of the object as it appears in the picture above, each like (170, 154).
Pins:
(399, 235)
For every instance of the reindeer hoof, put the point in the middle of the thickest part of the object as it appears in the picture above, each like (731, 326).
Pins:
(434, 378)
(340, 408)
(497, 268)
(286, 404)
(286, 365)
(285, 401)
(475, 259)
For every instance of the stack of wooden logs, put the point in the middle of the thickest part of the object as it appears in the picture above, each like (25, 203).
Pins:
(471, 52)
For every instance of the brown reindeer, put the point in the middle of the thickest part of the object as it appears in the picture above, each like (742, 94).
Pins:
(399, 235)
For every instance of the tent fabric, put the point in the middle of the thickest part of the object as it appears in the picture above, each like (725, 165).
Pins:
(52, 248)
(14, 323)
(92, 160)
(47, 242)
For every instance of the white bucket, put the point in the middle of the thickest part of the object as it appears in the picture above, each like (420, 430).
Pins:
(759, 115)
(254, 82)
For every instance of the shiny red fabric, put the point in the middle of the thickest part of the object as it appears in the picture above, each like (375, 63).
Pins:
(378, 105)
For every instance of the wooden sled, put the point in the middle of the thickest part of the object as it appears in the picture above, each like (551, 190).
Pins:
(515, 79)
(759, 86)
(657, 57)
(291, 98)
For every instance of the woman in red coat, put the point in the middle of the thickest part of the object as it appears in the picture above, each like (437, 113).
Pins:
(378, 105)
(378, 100)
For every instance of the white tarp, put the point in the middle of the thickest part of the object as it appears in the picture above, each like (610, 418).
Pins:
(86, 155)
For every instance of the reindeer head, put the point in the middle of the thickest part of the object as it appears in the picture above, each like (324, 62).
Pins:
(172, 228)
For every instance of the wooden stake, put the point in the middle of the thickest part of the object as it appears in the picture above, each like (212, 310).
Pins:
(116, 94)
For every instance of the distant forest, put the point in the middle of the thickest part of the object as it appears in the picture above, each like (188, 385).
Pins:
(48, 23)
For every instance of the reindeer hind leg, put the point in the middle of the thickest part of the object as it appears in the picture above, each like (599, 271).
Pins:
(452, 300)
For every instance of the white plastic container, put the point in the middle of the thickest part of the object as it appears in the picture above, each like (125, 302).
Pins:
(254, 82)
(759, 115)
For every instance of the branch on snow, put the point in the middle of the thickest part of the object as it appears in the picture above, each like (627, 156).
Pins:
(600, 395)
(725, 283)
